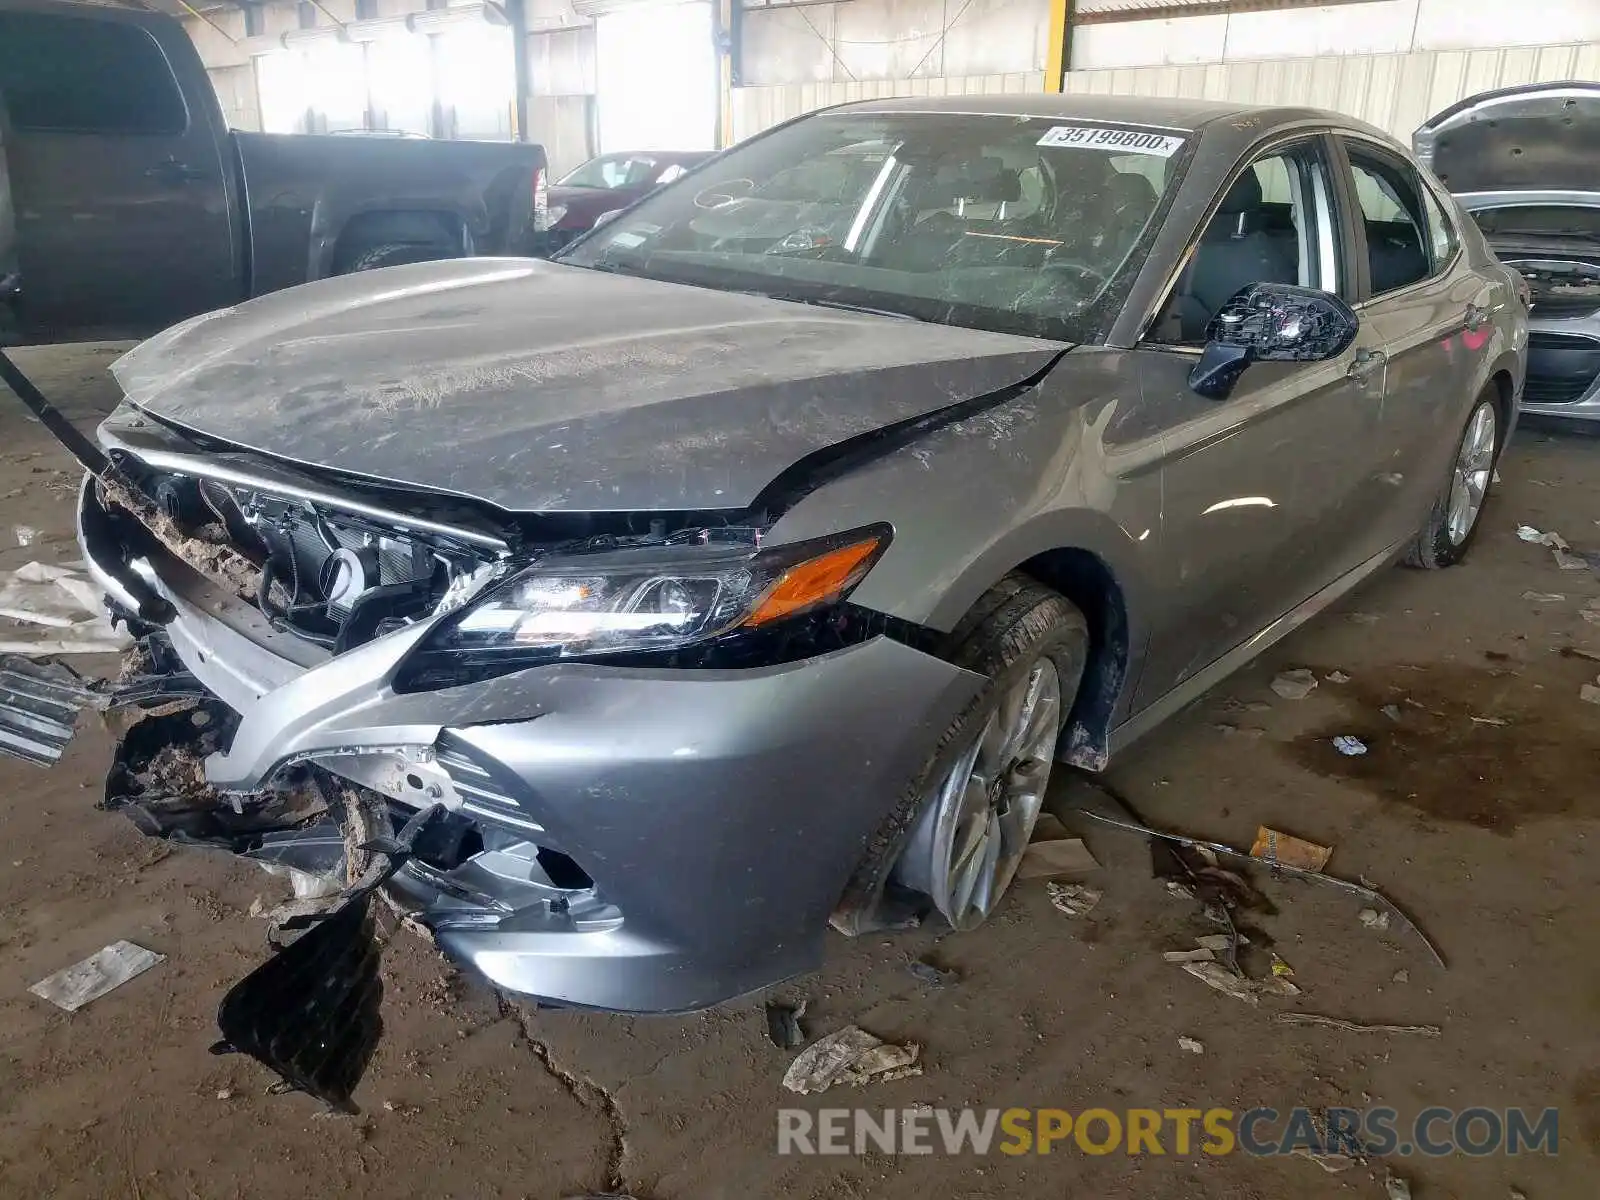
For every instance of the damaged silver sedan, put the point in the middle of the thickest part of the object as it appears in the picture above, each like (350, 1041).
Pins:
(749, 567)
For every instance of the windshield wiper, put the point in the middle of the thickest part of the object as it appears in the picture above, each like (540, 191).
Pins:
(792, 298)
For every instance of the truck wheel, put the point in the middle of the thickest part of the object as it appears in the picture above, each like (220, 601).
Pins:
(1453, 521)
(394, 254)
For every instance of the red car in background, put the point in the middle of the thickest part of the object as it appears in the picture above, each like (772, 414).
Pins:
(607, 183)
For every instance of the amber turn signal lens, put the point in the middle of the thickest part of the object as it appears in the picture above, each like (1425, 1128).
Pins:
(815, 581)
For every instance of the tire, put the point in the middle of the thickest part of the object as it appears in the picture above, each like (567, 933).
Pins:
(1442, 541)
(1015, 625)
(394, 254)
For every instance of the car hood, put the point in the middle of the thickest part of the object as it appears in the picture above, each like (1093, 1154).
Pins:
(538, 387)
(1539, 137)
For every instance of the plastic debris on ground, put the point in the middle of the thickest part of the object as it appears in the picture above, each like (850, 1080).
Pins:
(1566, 558)
(1127, 821)
(1371, 918)
(1058, 856)
(1350, 747)
(39, 707)
(27, 535)
(1395, 1187)
(1215, 975)
(783, 1024)
(1544, 597)
(851, 1056)
(1274, 846)
(1281, 969)
(1337, 677)
(103, 971)
(1400, 976)
(1392, 711)
(1192, 1045)
(1295, 685)
(1299, 1018)
(933, 976)
(64, 603)
(1074, 899)
(1589, 692)
(1333, 1164)
(1486, 720)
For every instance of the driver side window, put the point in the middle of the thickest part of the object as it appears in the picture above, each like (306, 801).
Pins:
(1274, 224)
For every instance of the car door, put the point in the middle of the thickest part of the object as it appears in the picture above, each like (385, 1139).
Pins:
(121, 209)
(1266, 493)
(1431, 317)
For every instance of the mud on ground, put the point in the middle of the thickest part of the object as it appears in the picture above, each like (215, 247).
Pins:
(1487, 833)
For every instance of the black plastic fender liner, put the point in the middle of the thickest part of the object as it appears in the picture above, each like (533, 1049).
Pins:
(311, 1012)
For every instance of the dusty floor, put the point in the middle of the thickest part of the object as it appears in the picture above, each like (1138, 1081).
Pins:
(1487, 833)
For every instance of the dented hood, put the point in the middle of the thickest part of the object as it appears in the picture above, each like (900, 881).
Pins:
(1537, 137)
(534, 386)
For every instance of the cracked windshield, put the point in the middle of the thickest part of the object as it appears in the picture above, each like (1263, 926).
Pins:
(1018, 225)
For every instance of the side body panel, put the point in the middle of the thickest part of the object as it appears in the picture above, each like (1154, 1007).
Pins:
(119, 233)
(1269, 495)
(1073, 463)
(305, 191)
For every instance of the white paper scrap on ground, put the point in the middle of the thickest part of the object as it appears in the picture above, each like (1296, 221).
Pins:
(63, 602)
(103, 971)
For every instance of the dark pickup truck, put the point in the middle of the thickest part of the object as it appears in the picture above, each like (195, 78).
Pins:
(127, 204)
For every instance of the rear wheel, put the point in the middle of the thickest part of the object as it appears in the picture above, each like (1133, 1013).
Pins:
(394, 254)
(1453, 521)
(975, 805)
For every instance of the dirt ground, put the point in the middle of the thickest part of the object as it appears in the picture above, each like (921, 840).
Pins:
(1486, 833)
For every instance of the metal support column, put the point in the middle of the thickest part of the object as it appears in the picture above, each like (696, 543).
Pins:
(1058, 50)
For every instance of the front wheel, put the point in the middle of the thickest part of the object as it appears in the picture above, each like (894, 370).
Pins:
(1453, 521)
(978, 799)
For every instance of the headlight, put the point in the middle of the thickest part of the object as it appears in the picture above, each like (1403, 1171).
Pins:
(553, 215)
(639, 600)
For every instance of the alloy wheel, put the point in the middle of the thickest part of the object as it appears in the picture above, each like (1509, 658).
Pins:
(1473, 471)
(977, 819)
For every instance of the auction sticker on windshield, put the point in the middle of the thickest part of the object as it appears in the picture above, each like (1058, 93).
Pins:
(1119, 141)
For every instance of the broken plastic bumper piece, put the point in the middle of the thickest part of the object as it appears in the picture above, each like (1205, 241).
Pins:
(312, 1012)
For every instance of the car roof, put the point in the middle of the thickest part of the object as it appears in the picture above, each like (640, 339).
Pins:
(1159, 111)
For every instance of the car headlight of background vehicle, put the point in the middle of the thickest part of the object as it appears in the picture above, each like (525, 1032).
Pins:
(662, 598)
(553, 215)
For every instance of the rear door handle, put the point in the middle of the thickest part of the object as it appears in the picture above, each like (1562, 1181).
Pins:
(1365, 364)
(1476, 318)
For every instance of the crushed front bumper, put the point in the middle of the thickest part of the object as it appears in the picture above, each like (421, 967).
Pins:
(641, 840)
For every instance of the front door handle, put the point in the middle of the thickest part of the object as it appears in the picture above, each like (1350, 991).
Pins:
(1365, 364)
(172, 171)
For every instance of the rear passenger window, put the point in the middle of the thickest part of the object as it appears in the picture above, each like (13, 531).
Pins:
(1399, 249)
(80, 75)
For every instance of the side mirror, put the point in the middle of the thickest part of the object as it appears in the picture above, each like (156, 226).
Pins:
(1271, 322)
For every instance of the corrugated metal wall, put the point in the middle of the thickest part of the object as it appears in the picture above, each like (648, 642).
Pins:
(758, 108)
(1396, 92)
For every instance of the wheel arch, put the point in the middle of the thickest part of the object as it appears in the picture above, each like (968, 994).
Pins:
(412, 226)
(1096, 565)
(1091, 585)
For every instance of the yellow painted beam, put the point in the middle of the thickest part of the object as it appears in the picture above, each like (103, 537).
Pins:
(1056, 63)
